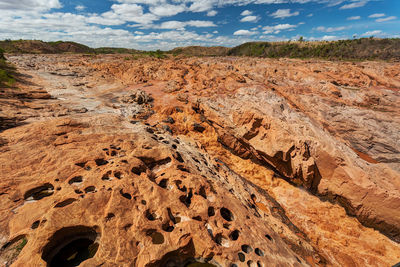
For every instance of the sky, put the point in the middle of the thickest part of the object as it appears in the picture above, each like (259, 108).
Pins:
(166, 24)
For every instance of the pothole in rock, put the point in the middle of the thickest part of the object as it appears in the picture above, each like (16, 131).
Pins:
(64, 203)
(234, 235)
(156, 237)
(39, 192)
(246, 249)
(226, 214)
(76, 180)
(183, 257)
(70, 246)
(101, 162)
(10, 251)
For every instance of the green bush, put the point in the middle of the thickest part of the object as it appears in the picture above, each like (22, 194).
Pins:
(156, 54)
(5, 76)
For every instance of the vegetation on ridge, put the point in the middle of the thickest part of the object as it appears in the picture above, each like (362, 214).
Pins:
(356, 49)
(6, 77)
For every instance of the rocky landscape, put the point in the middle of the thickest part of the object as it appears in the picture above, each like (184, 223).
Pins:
(111, 160)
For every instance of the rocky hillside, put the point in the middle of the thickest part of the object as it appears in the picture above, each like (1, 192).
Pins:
(200, 162)
(40, 47)
(357, 49)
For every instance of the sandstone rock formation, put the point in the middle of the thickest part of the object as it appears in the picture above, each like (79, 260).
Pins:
(218, 161)
(144, 197)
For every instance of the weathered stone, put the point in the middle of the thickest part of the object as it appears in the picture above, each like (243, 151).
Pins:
(113, 186)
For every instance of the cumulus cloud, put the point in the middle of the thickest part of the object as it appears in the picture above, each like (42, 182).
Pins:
(354, 18)
(167, 10)
(284, 13)
(244, 32)
(40, 19)
(202, 5)
(108, 19)
(250, 19)
(377, 15)
(329, 37)
(278, 28)
(74, 27)
(331, 29)
(386, 19)
(29, 4)
(131, 13)
(246, 13)
(354, 5)
(80, 7)
(212, 13)
(372, 33)
(177, 25)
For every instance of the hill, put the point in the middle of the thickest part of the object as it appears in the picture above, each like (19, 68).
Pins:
(357, 49)
(40, 47)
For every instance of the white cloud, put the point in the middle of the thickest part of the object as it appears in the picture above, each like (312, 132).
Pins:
(354, 5)
(244, 32)
(108, 18)
(329, 37)
(284, 13)
(74, 27)
(278, 28)
(200, 23)
(202, 5)
(166, 10)
(386, 19)
(177, 25)
(246, 13)
(29, 4)
(212, 13)
(80, 7)
(310, 15)
(38, 19)
(173, 24)
(331, 29)
(250, 19)
(354, 18)
(131, 13)
(377, 15)
(372, 33)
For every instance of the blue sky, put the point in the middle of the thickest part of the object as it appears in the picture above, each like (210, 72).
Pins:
(165, 24)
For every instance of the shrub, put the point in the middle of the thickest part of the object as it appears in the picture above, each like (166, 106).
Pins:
(5, 71)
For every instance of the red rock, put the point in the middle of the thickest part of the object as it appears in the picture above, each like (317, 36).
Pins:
(278, 139)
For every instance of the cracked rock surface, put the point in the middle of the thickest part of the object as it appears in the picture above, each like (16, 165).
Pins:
(199, 162)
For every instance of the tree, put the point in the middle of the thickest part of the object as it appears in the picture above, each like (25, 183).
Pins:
(301, 39)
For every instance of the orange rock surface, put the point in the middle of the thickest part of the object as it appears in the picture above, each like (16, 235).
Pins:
(187, 161)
